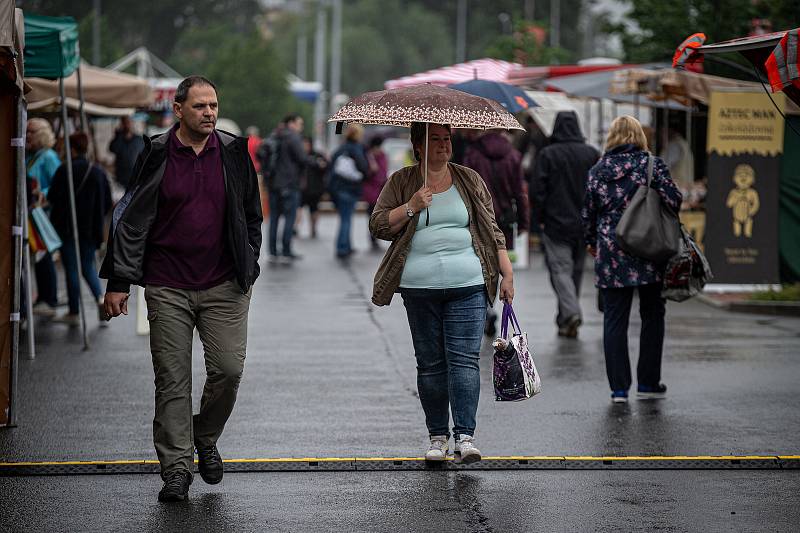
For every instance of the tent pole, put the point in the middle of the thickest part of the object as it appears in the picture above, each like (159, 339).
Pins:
(80, 97)
(18, 233)
(25, 257)
(71, 182)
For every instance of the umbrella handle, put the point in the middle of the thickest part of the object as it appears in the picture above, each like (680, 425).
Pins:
(425, 174)
(425, 163)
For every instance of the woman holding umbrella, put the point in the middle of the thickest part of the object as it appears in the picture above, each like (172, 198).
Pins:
(446, 255)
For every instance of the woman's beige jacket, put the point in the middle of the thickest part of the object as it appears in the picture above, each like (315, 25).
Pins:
(487, 239)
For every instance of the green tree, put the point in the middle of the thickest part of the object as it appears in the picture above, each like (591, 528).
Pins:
(250, 79)
(526, 45)
(664, 25)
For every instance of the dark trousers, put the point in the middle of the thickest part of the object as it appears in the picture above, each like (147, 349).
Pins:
(282, 204)
(616, 316)
(46, 280)
(70, 262)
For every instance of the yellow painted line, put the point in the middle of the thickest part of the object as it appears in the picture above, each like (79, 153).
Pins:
(387, 459)
(676, 458)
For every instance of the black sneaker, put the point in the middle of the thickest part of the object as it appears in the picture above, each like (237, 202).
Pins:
(176, 486)
(209, 463)
(651, 392)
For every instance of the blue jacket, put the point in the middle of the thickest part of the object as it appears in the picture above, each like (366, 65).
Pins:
(612, 183)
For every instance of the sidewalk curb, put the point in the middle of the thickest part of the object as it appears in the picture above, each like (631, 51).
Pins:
(754, 306)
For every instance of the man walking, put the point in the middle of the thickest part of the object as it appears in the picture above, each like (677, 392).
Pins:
(126, 147)
(557, 191)
(189, 230)
(283, 185)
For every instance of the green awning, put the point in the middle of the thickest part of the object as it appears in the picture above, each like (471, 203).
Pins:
(51, 46)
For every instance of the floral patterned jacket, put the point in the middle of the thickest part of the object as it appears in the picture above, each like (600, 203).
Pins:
(611, 185)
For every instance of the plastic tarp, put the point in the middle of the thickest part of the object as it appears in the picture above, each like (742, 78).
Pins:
(101, 87)
(11, 39)
(484, 69)
(599, 85)
(51, 46)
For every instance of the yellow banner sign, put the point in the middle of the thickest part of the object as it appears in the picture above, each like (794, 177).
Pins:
(741, 123)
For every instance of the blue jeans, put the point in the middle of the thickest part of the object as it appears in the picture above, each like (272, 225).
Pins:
(345, 204)
(446, 328)
(616, 314)
(71, 272)
(282, 204)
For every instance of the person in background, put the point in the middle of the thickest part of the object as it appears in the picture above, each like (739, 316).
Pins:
(253, 144)
(283, 184)
(41, 163)
(500, 165)
(92, 203)
(126, 147)
(346, 182)
(680, 160)
(312, 183)
(612, 183)
(445, 259)
(557, 191)
(493, 156)
(376, 178)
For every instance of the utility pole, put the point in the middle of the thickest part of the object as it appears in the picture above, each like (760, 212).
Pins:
(96, 34)
(461, 32)
(336, 68)
(530, 10)
(319, 74)
(302, 48)
(555, 23)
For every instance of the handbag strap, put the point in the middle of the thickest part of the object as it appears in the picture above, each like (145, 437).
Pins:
(509, 316)
(649, 168)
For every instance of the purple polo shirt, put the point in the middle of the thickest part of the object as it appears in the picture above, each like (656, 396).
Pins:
(187, 246)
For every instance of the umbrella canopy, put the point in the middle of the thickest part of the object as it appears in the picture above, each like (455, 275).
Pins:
(51, 46)
(510, 97)
(101, 87)
(426, 103)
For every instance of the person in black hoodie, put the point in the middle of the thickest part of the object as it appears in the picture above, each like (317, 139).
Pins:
(557, 191)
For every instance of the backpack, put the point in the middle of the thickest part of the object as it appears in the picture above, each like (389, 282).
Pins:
(268, 154)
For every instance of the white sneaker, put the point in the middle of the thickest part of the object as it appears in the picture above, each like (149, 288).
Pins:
(68, 319)
(44, 310)
(465, 451)
(438, 448)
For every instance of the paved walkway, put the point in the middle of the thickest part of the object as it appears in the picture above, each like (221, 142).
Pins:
(330, 375)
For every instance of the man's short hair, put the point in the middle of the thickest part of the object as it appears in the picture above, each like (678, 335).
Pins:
(291, 117)
(182, 92)
(79, 142)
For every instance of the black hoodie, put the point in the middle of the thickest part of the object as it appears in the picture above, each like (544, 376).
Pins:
(559, 180)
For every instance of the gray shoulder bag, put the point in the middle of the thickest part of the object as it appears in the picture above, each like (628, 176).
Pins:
(648, 228)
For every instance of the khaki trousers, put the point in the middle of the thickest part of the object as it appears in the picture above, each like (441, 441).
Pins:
(220, 316)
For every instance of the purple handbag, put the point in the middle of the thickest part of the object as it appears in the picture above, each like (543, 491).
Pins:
(513, 371)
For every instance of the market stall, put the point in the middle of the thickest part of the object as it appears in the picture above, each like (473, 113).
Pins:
(13, 215)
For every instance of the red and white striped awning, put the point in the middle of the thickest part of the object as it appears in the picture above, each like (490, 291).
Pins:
(484, 69)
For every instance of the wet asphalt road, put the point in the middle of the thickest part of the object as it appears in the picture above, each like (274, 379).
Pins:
(330, 375)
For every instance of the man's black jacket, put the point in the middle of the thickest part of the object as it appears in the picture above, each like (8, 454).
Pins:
(559, 180)
(135, 213)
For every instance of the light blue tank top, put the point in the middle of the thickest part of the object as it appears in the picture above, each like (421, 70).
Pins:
(441, 255)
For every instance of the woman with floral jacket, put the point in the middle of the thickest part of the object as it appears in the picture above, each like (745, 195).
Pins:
(611, 186)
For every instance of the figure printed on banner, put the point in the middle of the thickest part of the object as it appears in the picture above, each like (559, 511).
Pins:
(743, 200)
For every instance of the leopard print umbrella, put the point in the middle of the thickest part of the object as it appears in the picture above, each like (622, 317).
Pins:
(426, 103)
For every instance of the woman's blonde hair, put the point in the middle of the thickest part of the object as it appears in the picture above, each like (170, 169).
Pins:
(354, 132)
(626, 130)
(43, 136)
